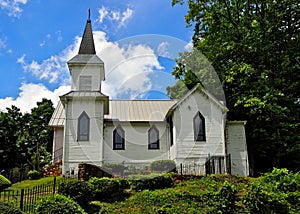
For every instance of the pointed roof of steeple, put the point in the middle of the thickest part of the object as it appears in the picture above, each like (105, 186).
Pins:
(87, 52)
(87, 45)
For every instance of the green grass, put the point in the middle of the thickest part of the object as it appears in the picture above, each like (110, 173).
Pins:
(27, 184)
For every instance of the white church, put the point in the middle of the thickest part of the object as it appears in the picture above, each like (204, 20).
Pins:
(91, 128)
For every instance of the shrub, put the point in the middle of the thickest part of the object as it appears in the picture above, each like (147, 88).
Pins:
(80, 191)
(109, 189)
(163, 166)
(6, 208)
(4, 182)
(261, 198)
(58, 204)
(115, 168)
(152, 182)
(225, 199)
(33, 175)
(276, 190)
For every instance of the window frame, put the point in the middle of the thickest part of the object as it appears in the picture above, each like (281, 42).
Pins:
(80, 136)
(119, 131)
(156, 143)
(85, 83)
(199, 135)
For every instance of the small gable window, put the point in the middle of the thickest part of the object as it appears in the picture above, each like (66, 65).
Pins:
(83, 127)
(119, 138)
(153, 138)
(199, 127)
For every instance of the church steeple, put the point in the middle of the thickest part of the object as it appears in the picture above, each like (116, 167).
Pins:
(87, 45)
(86, 68)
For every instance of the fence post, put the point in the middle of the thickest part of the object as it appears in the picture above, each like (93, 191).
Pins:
(229, 164)
(54, 184)
(220, 166)
(181, 169)
(21, 199)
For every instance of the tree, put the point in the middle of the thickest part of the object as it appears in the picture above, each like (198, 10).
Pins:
(11, 126)
(36, 140)
(26, 139)
(254, 47)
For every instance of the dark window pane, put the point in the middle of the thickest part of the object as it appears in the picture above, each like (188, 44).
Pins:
(83, 127)
(153, 138)
(119, 138)
(199, 127)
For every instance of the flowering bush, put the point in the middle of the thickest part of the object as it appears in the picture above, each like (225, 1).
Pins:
(33, 174)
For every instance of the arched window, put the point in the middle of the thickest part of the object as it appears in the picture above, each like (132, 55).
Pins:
(119, 138)
(83, 127)
(199, 127)
(153, 138)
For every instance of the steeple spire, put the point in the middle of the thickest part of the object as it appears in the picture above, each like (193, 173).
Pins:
(87, 45)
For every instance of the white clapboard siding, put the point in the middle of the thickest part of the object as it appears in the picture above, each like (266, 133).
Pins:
(136, 143)
(237, 147)
(76, 151)
(58, 139)
(186, 147)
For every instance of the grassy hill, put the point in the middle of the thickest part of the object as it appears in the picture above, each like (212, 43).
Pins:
(276, 192)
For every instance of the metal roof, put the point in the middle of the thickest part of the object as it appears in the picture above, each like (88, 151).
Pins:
(138, 110)
(58, 116)
(84, 94)
(125, 111)
(85, 59)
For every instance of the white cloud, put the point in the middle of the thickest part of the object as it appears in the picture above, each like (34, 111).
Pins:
(30, 94)
(162, 49)
(2, 43)
(127, 69)
(126, 15)
(13, 7)
(189, 46)
(103, 12)
(54, 69)
(115, 16)
(127, 72)
(50, 69)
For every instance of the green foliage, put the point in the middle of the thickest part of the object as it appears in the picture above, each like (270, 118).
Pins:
(217, 194)
(109, 189)
(254, 47)
(163, 166)
(26, 139)
(151, 182)
(58, 204)
(33, 174)
(6, 208)
(225, 199)
(115, 168)
(80, 191)
(277, 190)
(4, 182)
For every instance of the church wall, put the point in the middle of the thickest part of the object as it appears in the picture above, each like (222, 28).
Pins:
(83, 151)
(58, 139)
(90, 70)
(186, 148)
(136, 143)
(237, 147)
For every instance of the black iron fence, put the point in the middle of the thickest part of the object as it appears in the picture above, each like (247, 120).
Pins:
(25, 199)
(211, 165)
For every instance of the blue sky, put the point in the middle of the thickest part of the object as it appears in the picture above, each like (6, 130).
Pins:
(137, 40)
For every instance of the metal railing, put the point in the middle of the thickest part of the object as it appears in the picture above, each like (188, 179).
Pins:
(26, 199)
